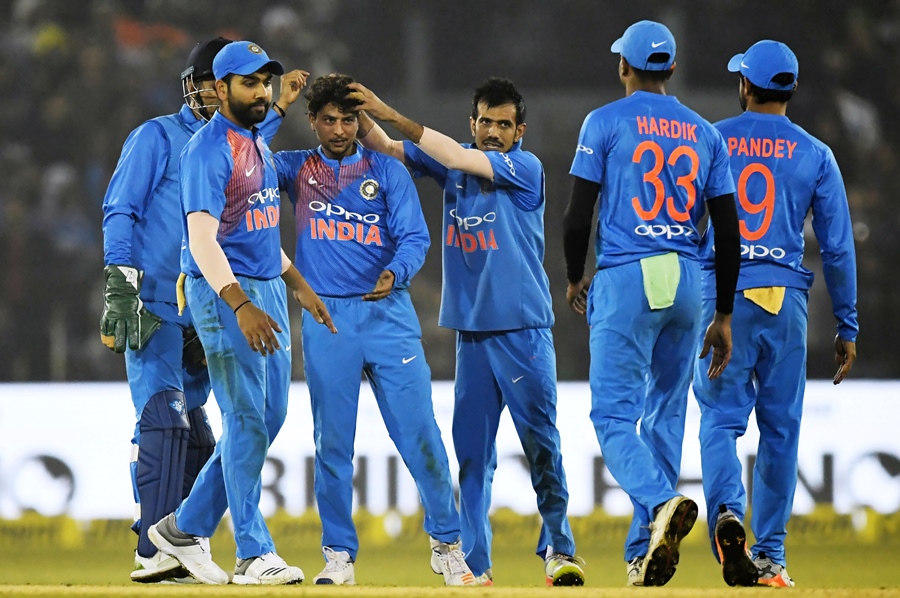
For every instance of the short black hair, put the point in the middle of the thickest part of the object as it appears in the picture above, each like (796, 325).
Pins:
(764, 96)
(330, 89)
(654, 76)
(497, 91)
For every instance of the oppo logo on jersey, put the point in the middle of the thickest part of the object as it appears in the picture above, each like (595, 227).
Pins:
(332, 210)
(752, 252)
(469, 242)
(468, 222)
(267, 194)
(663, 230)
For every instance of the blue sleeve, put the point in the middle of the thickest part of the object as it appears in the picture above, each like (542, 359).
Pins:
(720, 181)
(287, 169)
(590, 155)
(204, 176)
(522, 174)
(421, 164)
(141, 166)
(834, 231)
(405, 223)
(269, 127)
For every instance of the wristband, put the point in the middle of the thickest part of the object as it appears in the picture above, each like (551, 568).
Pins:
(279, 110)
(241, 305)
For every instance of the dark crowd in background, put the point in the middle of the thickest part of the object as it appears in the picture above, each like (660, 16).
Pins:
(78, 76)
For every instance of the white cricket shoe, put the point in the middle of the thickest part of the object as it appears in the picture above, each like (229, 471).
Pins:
(771, 573)
(674, 519)
(156, 568)
(338, 569)
(635, 571)
(449, 560)
(268, 569)
(191, 551)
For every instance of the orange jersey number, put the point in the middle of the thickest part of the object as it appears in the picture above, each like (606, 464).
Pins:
(652, 177)
(767, 203)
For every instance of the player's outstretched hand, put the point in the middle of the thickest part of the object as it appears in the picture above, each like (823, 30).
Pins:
(291, 84)
(718, 337)
(258, 327)
(844, 356)
(369, 102)
(576, 295)
(311, 302)
(383, 287)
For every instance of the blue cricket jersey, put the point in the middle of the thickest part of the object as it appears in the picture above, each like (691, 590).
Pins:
(493, 242)
(142, 208)
(228, 171)
(355, 218)
(782, 172)
(657, 162)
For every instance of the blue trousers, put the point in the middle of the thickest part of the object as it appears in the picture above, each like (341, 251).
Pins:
(252, 393)
(767, 372)
(383, 340)
(641, 366)
(157, 368)
(495, 370)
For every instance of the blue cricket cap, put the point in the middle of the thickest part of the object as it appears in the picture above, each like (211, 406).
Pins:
(763, 61)
(642, 40)
(243, 58)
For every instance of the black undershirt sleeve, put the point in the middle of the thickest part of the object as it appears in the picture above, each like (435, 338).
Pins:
(723, 214)
(577, 223)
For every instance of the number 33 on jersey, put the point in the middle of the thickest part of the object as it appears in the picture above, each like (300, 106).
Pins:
(657, 162)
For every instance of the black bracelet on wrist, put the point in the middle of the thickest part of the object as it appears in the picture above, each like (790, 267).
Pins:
(242, 305)
(279, 110)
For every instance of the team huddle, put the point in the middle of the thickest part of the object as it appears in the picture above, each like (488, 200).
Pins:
(204, 306)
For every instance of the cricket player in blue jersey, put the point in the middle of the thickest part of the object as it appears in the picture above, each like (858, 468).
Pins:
(656, 167)
(496, 295)
(235, 288)
(361, 237)
(782, 173)
(163, 356)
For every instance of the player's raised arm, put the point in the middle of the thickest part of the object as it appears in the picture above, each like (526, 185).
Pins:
(437, 145)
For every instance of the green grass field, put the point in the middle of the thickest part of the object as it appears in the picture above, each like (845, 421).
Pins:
(45, 566)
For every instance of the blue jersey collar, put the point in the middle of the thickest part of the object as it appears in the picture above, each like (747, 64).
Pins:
(190, 120)
(345, 161)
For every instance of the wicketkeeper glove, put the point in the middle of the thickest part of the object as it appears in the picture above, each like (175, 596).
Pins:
(124, 315)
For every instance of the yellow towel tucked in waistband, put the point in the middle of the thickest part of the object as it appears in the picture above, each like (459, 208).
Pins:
(179, 293)
(768, 298)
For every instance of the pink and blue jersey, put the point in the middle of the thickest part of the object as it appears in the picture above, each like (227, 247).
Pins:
(355, 218)
(657, 162)
(782, 173)
(493, 243)
(228, 171)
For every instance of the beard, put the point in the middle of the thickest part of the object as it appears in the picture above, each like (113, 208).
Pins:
(247, 114)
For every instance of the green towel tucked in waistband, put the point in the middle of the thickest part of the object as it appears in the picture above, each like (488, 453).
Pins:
(662, 274)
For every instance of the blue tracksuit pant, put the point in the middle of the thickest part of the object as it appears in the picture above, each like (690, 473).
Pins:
(383, 340)
(252, 393)
(641, 366)
(494, 370)
(767, 372)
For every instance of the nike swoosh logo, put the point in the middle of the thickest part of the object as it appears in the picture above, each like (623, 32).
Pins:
(458, 186)
(249, 172)
(746, 66)
(312, 181)
(517, 379)
(287, 348)
(656, 44)
(408, 359)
